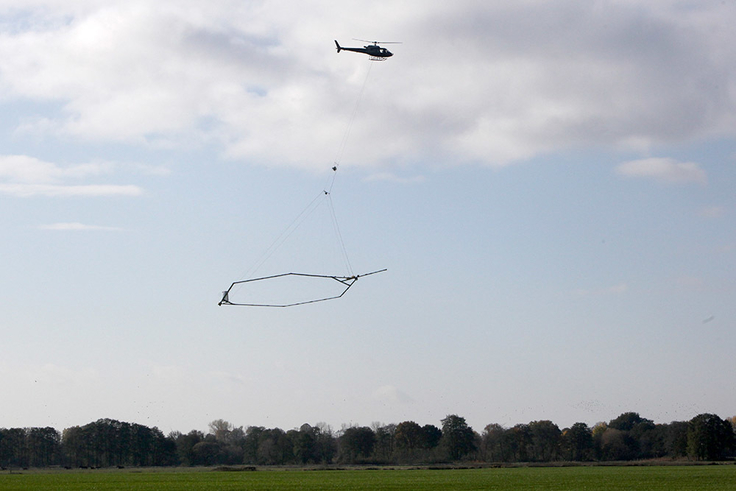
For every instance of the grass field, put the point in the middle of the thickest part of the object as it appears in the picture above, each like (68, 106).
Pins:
(670, 478)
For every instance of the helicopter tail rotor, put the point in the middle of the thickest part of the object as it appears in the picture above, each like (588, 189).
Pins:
(338, 46)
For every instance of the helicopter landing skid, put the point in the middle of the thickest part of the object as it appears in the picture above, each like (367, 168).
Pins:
(377, 58)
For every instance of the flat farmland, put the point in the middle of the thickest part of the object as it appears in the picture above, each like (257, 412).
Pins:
(670, 478)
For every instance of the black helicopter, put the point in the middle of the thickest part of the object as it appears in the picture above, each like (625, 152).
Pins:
(376, 52)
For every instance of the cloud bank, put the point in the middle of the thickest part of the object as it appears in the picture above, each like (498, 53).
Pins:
(488, 83)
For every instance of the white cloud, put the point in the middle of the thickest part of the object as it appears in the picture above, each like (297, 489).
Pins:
(391, 177)
(76, 226)
(152, 170)
(25, 176)
(51, 374)
(21, 168)
(64, 191)
(391, 394)
(228, 377)
(618, 289)
(712, 212)
(169, 374)
(663, 169)
(484, 82)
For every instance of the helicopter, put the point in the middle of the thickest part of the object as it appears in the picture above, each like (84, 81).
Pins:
(376, 52)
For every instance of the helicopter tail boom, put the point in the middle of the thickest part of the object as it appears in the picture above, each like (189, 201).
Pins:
(338, 46)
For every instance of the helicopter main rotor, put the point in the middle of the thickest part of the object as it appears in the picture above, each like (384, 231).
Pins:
(376, 43)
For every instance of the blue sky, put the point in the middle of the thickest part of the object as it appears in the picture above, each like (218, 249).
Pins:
(549, 184)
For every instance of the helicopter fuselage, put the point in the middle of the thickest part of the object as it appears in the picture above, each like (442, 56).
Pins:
(371, 50)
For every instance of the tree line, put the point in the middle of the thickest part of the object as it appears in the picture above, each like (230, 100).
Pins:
(110, 443)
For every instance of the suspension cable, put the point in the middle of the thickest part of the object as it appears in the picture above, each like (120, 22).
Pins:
(345, 137)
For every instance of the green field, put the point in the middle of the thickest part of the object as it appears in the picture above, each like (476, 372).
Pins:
(714, 477)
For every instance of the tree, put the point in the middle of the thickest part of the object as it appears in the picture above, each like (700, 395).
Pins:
(226, 433)
(44, 446)
(207, 452)
(545, 441)
(250, 444)
(409, 436)
(142, 441)
(577, 442)
(410, 442)
(230, 440)
(221, 430)
(626, 421)
(13, 447)
(356, 443)
(647, 439)
(326, 443)
(185, 445)
(458, 438)
(675, 439)
(275, 447)
(598, 430)
(432, 436)
(492, 443)
(313, 444)
(617, 445)
(72, 446)
(164, 449)
(628, 437)
(107, 442)
(384, 448)
(519, 440)
(304, 442)
(708, 437)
